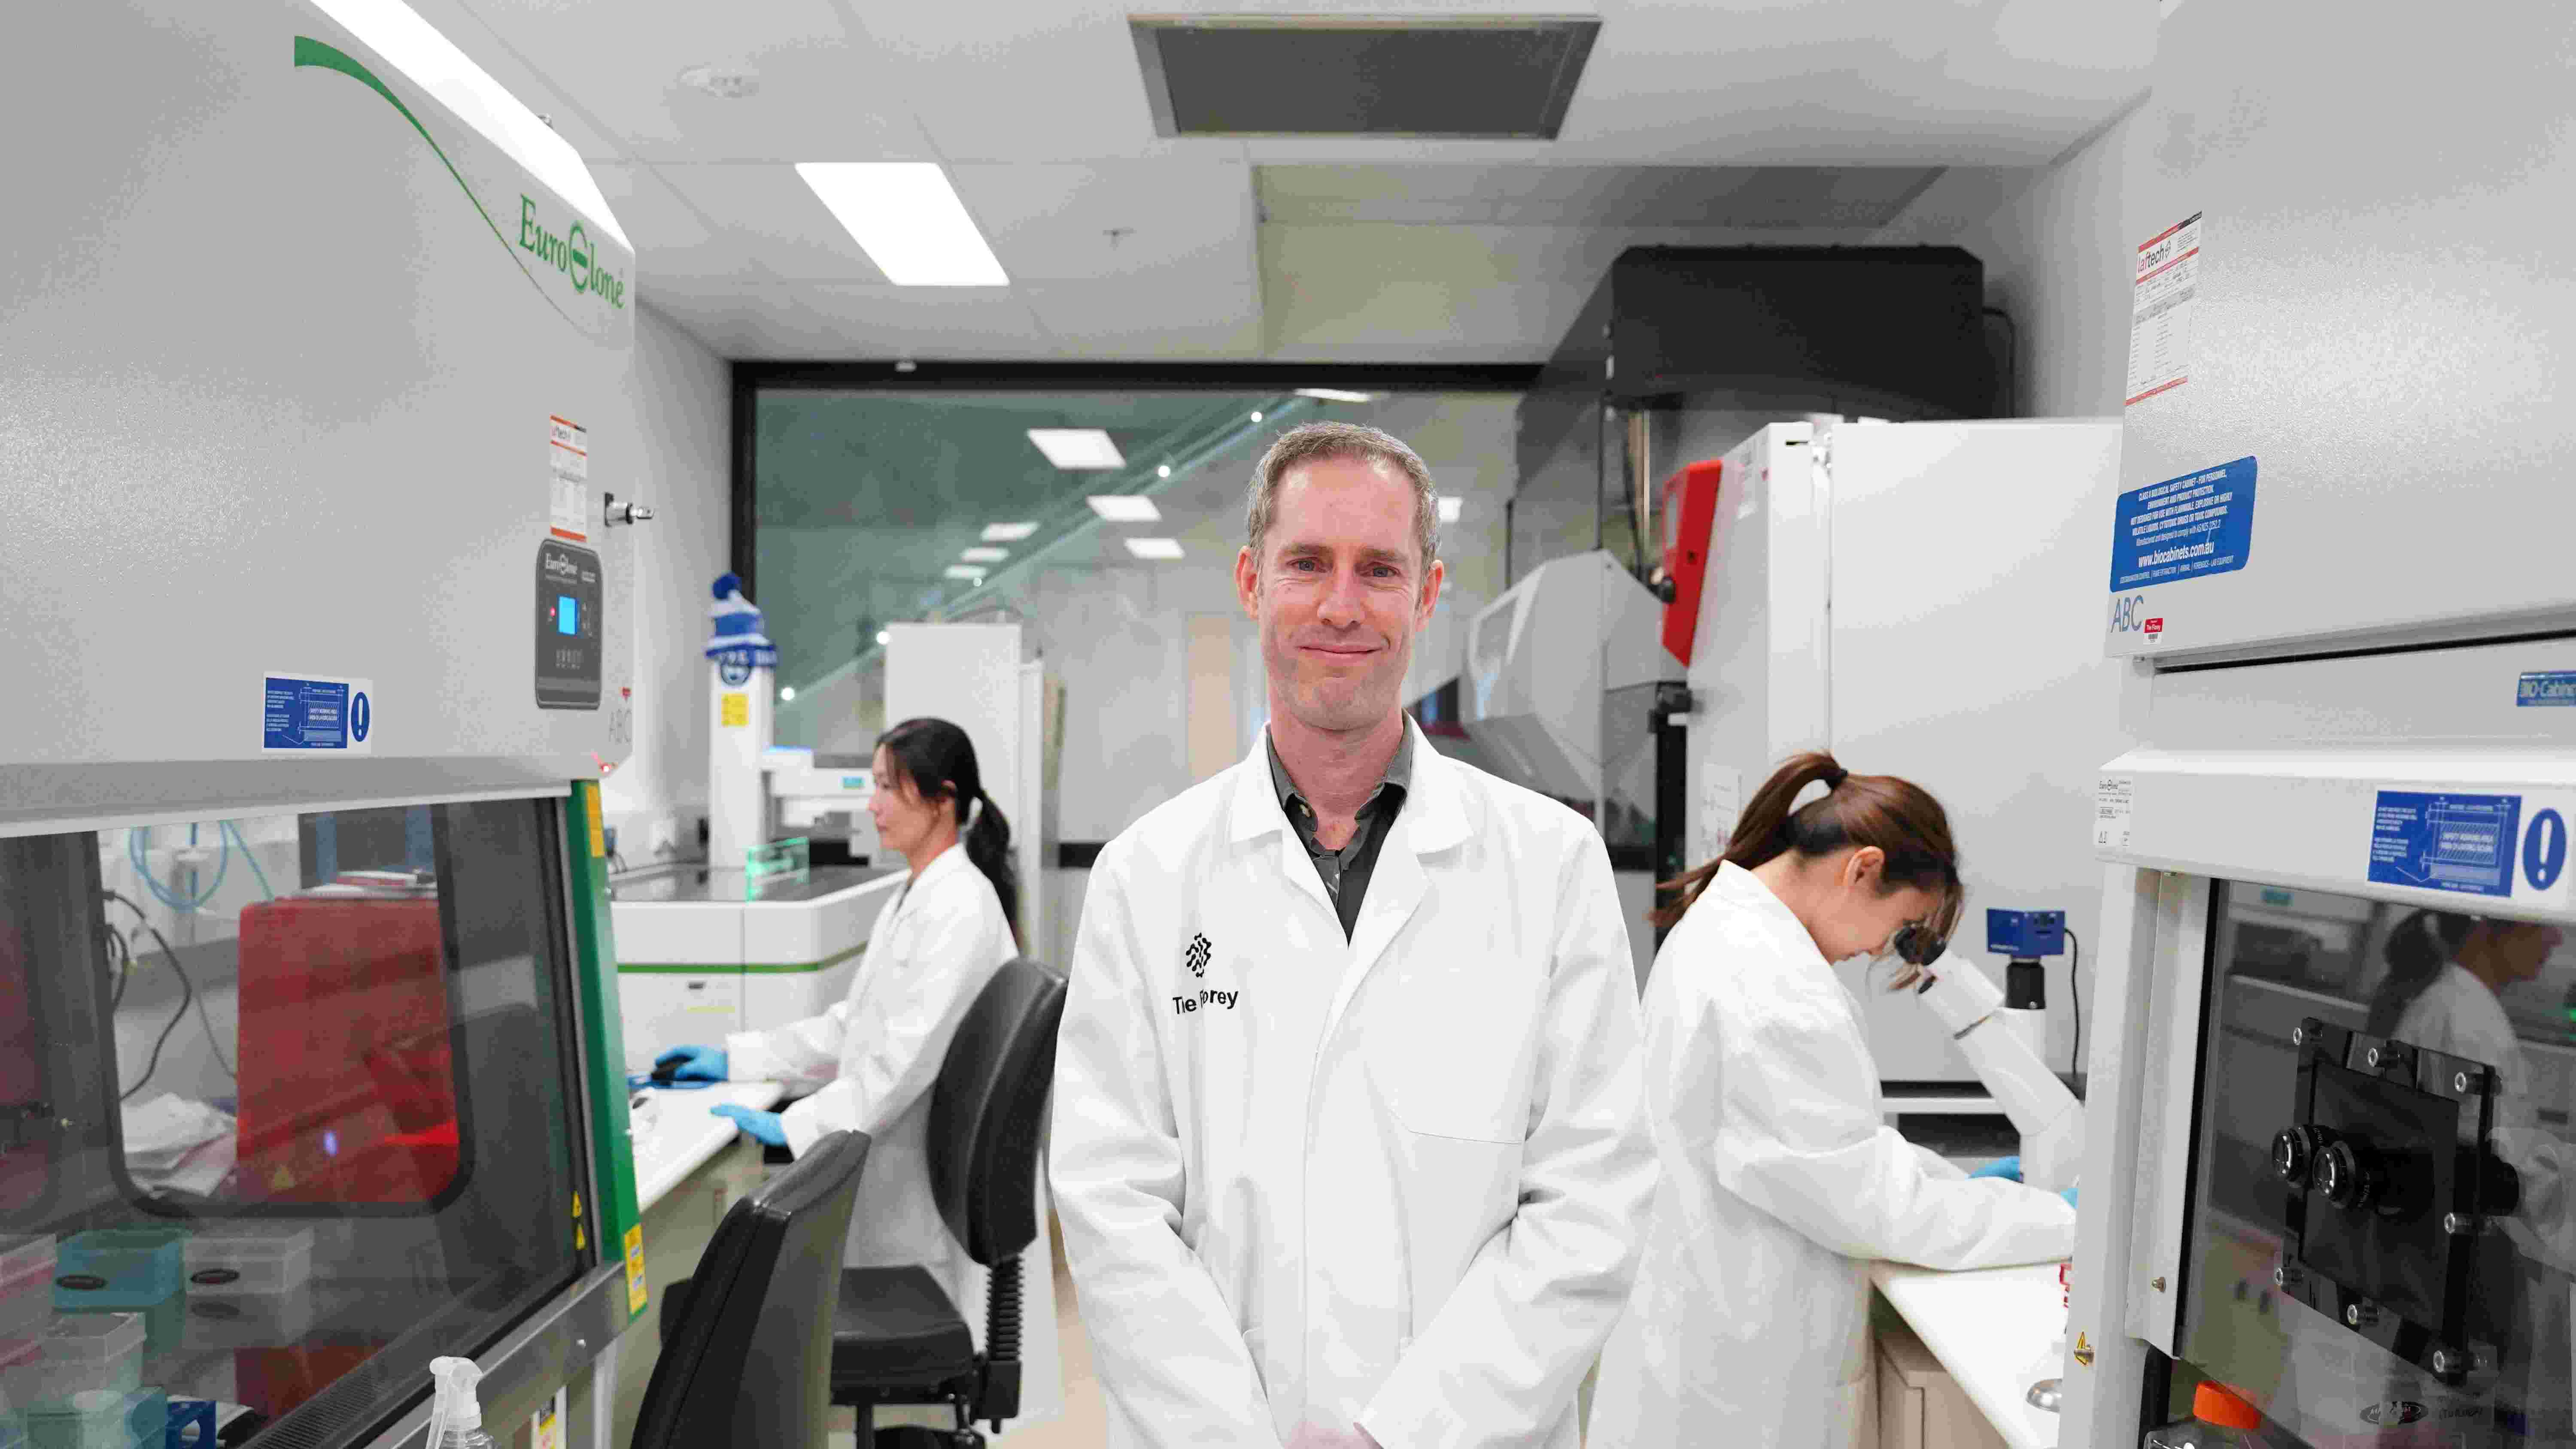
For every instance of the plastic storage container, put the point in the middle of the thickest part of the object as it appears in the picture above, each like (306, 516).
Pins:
(80, 1353)
(26, 1270)
(2220, 1419)
(139, 1420)
(249, 1320)
(242, 1260)
(115, 1268)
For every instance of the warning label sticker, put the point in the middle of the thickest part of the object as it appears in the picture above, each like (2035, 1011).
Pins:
(2161, 310)
(568, 479)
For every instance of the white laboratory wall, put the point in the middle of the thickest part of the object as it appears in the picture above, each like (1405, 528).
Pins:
(2057, 263)
(670, 449)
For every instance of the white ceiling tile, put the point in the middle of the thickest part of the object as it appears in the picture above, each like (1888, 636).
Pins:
(1053, 223)
(674, 243)
(818, 83)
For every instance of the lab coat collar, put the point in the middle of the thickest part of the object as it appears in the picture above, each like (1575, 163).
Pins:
(1740, 887)
(1434, 815)
(946, 863)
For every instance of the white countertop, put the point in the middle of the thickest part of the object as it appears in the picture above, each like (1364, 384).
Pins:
(678, 1131)
(1988, 1327)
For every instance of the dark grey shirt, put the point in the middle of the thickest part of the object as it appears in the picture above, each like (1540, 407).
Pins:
(1346, 871)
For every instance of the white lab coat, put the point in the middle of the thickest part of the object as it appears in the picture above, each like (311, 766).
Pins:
(1781, 1182)
(1393, 1181)
(872, 1060)
(2459, 1015)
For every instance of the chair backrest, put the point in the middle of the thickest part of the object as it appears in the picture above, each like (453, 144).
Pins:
(988, 1112)
(748, 1363)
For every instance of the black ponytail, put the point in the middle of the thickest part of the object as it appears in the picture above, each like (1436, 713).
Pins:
(937, 759)
(988, 844)
(2417, 951)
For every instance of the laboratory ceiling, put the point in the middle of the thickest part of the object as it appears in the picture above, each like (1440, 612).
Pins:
(1695, 121)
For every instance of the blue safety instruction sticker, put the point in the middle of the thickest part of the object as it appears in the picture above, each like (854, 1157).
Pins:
(307, 712)
(2199, 523)
(2466, 843)
(2546, 687)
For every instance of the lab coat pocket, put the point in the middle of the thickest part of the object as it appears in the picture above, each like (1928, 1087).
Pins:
(1452, 1056)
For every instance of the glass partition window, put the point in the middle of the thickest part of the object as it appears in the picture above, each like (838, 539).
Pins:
(2384, 1182)
(285, 1112)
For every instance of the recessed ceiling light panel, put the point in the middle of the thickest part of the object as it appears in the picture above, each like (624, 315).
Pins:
(1125, 508)
(982, 554)
(1155, 548)
(966, 571)
(1335, 394)
(1451, 506)
(907, 218)
(1078, 448)
(1008, 532)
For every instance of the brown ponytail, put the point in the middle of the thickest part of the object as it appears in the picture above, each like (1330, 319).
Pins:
(1897, 816)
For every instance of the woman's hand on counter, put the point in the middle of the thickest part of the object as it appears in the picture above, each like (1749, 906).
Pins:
(768, 1127)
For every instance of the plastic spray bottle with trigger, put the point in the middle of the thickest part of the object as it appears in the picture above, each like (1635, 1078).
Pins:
(455, 1419)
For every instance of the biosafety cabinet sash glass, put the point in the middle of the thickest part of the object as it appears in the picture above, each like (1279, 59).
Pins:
(2381, 1222)
(287, 1100)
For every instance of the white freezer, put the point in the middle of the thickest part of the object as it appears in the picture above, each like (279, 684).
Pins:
(1918, 598)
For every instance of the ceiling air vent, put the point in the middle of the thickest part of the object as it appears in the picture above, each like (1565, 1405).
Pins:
(1503, 77)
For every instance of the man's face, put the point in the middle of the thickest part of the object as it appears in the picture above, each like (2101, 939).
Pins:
(1339, 591)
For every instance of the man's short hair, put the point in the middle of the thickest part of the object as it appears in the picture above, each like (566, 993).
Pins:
(1320, 442)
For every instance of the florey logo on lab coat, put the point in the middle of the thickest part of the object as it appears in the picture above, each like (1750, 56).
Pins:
(1195, 960)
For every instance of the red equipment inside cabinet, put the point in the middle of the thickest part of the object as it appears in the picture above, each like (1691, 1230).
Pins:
(26, 1119)
(1690, 510)
(348, 1088)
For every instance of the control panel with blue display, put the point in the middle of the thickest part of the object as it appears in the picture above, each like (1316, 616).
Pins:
(568, 643)
(2026, 935)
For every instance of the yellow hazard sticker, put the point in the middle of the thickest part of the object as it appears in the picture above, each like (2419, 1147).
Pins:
(737, 710)
(598, 833)
(636, 1294)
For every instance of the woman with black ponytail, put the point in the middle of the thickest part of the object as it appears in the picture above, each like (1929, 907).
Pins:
(870, 1062)
(1781, 1178)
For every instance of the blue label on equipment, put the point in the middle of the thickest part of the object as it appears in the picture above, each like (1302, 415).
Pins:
(2199, 523)
(2546, 687)
(2544, 849)
(2447, 842)
(307, 714)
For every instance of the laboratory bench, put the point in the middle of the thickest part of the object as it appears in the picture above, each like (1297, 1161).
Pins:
(1987, 1329)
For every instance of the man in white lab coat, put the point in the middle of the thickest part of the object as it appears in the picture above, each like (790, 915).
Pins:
(1347, 1145)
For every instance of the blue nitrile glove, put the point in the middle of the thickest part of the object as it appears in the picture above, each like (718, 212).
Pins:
(766, 1126)
(2007, 1168)
(2069, 1195)
(694, 1063)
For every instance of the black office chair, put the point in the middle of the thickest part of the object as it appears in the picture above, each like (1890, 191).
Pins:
(897, 1338)
(747, 1342)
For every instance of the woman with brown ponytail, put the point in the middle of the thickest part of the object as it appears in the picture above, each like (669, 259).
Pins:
(1781, 1180)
